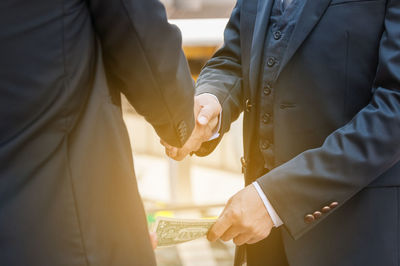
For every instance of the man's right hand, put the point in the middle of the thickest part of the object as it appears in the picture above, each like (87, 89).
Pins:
(206, 110)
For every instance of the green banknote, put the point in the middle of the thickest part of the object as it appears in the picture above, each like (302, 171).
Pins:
(173, 231)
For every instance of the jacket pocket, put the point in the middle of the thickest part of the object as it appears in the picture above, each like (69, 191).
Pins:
(341, 2)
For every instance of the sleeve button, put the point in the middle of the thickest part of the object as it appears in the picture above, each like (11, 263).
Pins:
(309, 218)
(317, 215)
(326, 209)
(334, 205)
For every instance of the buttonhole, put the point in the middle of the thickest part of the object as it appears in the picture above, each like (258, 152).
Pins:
(287, 105)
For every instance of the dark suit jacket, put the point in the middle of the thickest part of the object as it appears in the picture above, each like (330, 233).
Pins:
(68, 194)
(336, 125)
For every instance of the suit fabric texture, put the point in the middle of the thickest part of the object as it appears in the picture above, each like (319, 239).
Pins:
(336, 122)
(68, 194)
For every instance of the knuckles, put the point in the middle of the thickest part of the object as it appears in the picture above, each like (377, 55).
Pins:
(234, 215)
(211, 236)
(248, 227)
(236, 242)
(225, 238)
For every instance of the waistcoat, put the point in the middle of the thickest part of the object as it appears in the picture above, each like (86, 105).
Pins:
(281, 26)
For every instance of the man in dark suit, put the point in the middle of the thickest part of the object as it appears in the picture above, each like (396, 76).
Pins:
(68, 194)
(319, 84)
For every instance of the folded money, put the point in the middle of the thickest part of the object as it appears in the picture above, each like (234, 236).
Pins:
(173, 231)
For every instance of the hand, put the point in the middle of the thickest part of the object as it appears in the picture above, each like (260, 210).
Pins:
(244, 219)
(153, 240)
(206, 111)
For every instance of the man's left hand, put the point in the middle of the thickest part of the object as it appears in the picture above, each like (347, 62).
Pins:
(244, 219)
(153, 240)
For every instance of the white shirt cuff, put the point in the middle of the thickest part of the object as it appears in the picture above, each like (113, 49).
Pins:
(272, 213)
(218, 128)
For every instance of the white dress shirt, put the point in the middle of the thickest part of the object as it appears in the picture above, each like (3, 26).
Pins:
(271, 211)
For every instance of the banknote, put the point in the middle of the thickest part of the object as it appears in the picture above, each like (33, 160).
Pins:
(173, 231)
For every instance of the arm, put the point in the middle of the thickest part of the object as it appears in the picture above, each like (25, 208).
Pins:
(222, 77)
(351, 157)
(143, 58)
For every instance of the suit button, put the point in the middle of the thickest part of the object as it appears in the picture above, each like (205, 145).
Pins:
(334, 204)
(266, 118)
(317, 215)
(326, 209)
(277, 35)
(271, 62)
(265, 144)
(309, 218)
(267, 90)
(249, 105)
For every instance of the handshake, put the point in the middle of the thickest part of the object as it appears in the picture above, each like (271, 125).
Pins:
(245, 218)
(207, 110)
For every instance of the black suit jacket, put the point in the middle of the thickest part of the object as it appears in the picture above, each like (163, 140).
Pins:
(68, 194)
(336, 125)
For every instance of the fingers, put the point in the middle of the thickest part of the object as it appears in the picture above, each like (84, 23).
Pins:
(197, 107)
(193, 144)
(212, 126)
(244, 219)
(199, 135)
(202, 119)
(206, 110)
(173, 153)
(170, 151)
(209, 106)
(206, 99)
(258, 237)
(219, 228)
(230, 234)
(153, 240)
(241, 236)
(177, 154)
(186, 150)
(207, 113)
(242, 239)
(254, 240)
(166, 145)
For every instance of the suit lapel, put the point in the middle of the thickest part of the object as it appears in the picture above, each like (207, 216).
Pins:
(310, 16)
(260, 30)
(247, 23)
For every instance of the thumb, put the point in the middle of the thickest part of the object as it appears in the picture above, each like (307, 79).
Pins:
(205, 115)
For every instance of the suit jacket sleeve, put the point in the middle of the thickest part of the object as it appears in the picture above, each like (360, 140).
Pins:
(143, 58)
(351, 157)
(222, 76)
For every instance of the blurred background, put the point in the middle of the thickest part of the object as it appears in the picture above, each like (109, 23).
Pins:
(196, 187)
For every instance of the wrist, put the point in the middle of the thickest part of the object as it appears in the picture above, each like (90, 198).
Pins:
(270, 209)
